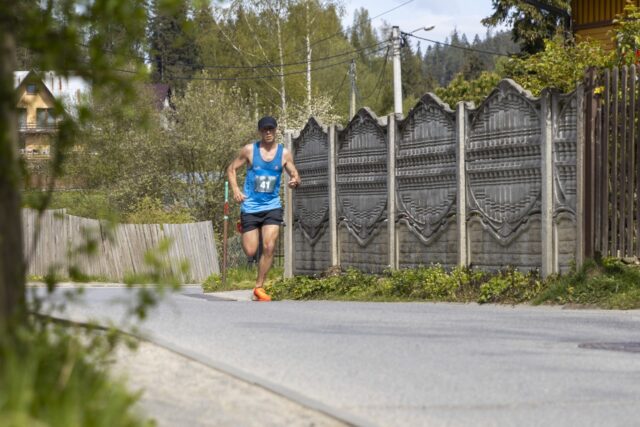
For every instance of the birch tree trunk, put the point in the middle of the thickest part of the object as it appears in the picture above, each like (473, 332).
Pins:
(283, 93)
(12, 267)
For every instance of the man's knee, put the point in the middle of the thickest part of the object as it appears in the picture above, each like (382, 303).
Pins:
(250, 252)
(269, 248)
(250, 244)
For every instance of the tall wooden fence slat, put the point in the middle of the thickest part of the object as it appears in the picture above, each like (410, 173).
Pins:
(589, 162)
(598, 179)
(604, 176)
(636, 170)
(119, 251)
(614, 160)
(630, 162)
(623, 155)
(617, 152)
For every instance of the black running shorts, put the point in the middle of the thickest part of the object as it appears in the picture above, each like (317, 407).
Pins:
(251, 221)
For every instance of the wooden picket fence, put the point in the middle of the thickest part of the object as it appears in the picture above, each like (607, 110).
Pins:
(612, 162)
(120, 250)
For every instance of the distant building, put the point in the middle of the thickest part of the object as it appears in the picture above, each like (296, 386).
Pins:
(593, 19)
(36, 92)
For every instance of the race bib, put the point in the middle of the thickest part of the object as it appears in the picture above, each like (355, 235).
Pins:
(264, 184)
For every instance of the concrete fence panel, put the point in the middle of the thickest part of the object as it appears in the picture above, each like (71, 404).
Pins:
(361, 181)
(491, 187)
(311, 240)
(504, 186)
(426, 185)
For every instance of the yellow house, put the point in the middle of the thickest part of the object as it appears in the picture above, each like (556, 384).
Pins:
(36, 93)
(594, 18)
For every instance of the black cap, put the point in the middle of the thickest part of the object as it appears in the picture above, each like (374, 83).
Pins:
(267, 122)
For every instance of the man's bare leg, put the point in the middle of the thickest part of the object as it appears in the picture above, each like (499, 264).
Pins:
(269, 238)
(250, 241)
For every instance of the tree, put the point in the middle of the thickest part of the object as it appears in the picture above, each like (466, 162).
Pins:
(532, 21)
(211, 124)
(627, 34)
(561, 65)
(362, 33)
(172, 45)
(461, 89)
(125, 152)
(60, 48)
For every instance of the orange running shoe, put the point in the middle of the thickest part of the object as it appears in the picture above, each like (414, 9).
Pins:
(260, 294)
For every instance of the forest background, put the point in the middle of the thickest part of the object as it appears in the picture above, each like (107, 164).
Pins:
(228, 65)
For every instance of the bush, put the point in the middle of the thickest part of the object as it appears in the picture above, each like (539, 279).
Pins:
(50, 376)
(511, 286)
(87, 204)
(432, 283)
(151, 211)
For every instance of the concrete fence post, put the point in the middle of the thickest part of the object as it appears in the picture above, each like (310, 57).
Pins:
(333, 197)
(288, 217)
(461, 178)
(546, 154)
(391, 190)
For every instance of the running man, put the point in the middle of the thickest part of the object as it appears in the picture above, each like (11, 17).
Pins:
(261, 207)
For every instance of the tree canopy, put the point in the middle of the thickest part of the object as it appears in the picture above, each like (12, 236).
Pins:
(532, 21)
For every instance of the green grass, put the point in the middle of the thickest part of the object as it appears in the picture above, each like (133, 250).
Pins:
(51, 377)
(238, 279)
(84, 279)
(606, 284)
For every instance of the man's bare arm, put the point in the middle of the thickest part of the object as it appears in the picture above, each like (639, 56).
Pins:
(294, 177)
(241, 160)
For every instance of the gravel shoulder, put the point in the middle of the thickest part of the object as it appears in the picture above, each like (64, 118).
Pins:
(178, 391)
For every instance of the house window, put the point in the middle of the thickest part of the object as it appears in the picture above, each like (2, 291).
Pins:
(32, 89)
(22, 117)
(45, 117)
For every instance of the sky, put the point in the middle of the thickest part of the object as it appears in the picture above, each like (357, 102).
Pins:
(445, 15)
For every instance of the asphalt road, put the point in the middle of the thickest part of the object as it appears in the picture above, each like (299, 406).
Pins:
(412, 364)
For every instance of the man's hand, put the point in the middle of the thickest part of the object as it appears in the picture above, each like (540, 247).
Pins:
(294, 182)
(238, 196)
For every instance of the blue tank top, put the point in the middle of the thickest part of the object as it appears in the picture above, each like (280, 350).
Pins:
(262, 184)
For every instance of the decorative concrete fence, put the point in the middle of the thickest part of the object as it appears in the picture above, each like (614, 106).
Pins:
(490, 187)
(119, 250)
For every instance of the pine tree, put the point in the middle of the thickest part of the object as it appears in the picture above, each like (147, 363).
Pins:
(172, 44)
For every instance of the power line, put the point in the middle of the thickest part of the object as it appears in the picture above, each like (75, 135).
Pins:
(460, 47)
(347, 29)
(267, 76)
(333, 98)
(245, 67)
(377, 86)
(294, 63)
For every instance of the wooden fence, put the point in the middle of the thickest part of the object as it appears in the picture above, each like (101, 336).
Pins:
(611, 162)
(120, 249)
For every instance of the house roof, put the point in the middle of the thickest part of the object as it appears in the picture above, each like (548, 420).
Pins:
(68, 89)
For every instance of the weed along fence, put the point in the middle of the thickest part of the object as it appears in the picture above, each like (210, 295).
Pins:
(491, 186)
(612, 163)
(120, 250)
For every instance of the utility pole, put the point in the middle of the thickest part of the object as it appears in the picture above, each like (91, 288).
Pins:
(308, 40)
(352, 103)
(397, 72)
